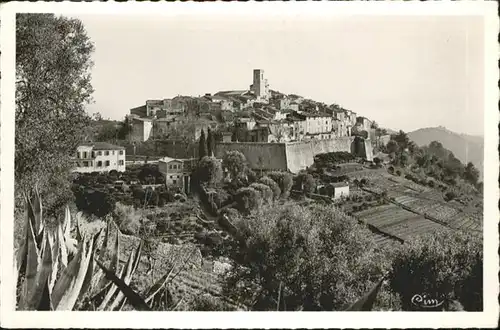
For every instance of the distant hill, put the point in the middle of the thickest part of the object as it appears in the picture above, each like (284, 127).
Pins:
(467, 148)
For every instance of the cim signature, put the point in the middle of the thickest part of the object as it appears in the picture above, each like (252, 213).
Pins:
(424, 301)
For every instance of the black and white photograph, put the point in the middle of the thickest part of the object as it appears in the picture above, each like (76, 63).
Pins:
(240, 161)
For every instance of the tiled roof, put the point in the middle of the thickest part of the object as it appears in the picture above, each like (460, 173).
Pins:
(316, 114)
(240, 92)
(169, 159)
(102, 146)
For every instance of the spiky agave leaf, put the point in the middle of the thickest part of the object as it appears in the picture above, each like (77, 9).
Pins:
(37, 208)
(62, 246)
(69, 286)
(66, 227)
(155, 289)
(113, 252)
(79, 218)
(41, 280)
(90, 270)
(112, 290)
(54, 244)
(133, 297)
(33, 259)
(45, 300)
(132, 265)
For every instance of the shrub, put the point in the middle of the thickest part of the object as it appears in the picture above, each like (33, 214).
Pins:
(284, 181)
(447, 265)
(247, 199)
(266, 194)
(271, 184)
(94, 201)
(450, 195)
(128, 219)
(305, 182)
(209, 171)
(323, 259)
(235, 163)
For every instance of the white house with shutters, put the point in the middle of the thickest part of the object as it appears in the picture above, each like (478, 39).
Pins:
(99, 157)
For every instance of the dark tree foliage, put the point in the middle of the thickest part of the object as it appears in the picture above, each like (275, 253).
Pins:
(305, 182)
(96, 202)
(125, 128)
(235, 163)
(445, 265)
(202, 145)
(209, 171)
(284, 181)
(471, 173)
(247, 199)
(314, 258)
(53, 85)
(273, 185)
(210, 142)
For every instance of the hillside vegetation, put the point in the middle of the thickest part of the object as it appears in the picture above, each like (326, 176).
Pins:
(467, 148)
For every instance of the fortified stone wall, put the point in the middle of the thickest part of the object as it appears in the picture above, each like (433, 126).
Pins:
(265, 156)
(301, 154)
(293, 156)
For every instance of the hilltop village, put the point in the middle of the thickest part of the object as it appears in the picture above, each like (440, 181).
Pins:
(249, 200)
(258, 122)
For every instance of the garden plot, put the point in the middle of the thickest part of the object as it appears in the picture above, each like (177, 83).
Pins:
(385, 241)
(468, 222)
(385, 215)
(413, 227)
(397, 221)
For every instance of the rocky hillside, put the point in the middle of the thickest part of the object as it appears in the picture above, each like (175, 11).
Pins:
(467, 148)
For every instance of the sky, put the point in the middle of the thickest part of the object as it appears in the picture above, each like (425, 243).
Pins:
(403, 72)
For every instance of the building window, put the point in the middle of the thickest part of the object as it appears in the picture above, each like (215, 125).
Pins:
(121, 152)
(171, 177)
(174, 181)
(106, 153)
(169, 167)
(107, 163)
(85, 164)
(99, 153)
(99, 164)
(84, 154)
(120, 162)
(113, 152)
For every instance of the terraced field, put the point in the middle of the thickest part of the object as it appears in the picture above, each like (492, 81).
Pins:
(469, 222)
(423, 200)
(398, 222)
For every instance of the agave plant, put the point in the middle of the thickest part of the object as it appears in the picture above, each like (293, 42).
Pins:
(54, 271)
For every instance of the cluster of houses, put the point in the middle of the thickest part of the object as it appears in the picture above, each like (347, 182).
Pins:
(104, 157)
(261, 114)
(254, 115)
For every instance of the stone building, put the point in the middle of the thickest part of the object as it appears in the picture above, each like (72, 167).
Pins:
(99, 157)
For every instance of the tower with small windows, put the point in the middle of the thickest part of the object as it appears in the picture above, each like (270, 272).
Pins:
(260, 87)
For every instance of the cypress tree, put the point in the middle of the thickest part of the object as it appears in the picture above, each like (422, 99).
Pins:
(210, 142)
(202, 149)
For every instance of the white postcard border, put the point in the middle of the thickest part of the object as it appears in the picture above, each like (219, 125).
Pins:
(302, 10)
